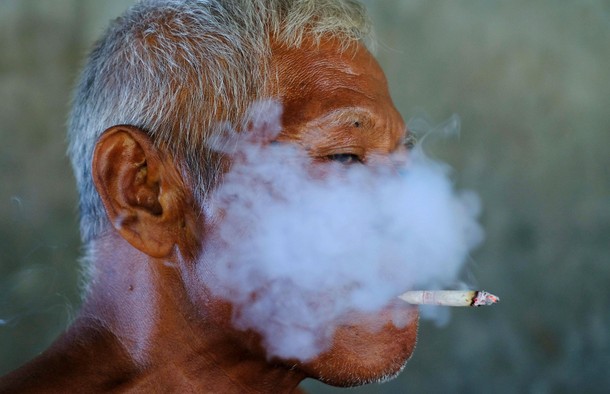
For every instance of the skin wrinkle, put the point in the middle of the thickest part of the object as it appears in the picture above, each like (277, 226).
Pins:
(316, 107)
(337, 88)
(218, 46)
(158, 327)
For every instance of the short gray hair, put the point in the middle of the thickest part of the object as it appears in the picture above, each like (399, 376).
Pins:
(178, 69)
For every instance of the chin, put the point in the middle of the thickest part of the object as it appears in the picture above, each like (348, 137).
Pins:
(361, 354)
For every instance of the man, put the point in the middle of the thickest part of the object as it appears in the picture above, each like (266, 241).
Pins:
(165, 79)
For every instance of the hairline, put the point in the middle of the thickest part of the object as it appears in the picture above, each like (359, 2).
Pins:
(123, 49)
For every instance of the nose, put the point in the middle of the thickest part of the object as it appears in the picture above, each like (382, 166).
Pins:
(397, 158)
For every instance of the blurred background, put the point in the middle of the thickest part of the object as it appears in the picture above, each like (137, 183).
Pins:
(531, 84)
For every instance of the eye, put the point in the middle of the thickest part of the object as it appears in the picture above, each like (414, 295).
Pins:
(345, 158)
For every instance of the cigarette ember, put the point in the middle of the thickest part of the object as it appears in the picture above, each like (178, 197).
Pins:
(449, 297)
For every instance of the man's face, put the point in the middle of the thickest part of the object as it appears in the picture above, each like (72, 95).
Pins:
(337, 107)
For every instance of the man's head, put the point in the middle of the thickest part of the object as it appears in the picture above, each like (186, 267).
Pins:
(169, 78)
(180, 70)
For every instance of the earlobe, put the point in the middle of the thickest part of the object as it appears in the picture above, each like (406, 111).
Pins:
(140, 189)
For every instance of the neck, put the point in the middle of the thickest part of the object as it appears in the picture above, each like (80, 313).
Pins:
(139, 331)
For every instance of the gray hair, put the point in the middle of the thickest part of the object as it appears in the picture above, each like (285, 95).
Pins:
(178, 69)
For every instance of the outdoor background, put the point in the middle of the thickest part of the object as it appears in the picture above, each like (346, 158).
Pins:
(531, 83)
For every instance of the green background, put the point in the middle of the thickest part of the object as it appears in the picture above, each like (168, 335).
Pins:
(531, 83)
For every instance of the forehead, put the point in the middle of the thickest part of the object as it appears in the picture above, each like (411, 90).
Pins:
(323, 85)
(328, 74)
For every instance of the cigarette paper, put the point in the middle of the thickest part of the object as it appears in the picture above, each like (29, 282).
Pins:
(449, 297)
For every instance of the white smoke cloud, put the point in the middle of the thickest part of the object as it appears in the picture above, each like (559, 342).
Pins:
(305, 243)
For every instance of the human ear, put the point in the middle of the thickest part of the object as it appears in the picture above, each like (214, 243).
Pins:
(140, 187)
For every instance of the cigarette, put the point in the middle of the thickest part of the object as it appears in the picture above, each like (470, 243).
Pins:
(449, 297)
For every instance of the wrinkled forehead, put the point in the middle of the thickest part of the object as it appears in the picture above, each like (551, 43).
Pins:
(328, 81)
(314, 66)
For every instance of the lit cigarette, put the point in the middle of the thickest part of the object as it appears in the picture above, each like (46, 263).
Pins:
(449, 297)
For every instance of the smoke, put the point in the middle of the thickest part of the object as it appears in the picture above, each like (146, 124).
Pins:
(300, 244)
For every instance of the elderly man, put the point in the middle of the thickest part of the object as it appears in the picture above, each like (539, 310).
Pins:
(158, 86)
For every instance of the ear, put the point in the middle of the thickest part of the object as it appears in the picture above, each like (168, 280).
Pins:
(144, 196)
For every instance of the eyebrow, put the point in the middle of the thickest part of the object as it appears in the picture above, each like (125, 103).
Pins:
(343, 116)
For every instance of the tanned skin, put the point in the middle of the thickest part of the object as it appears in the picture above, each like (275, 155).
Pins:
(149, 324)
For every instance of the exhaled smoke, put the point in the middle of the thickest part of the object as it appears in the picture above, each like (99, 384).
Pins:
(302, 244)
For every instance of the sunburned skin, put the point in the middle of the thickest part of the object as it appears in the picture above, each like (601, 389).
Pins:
(149, 323)
(337, 103)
